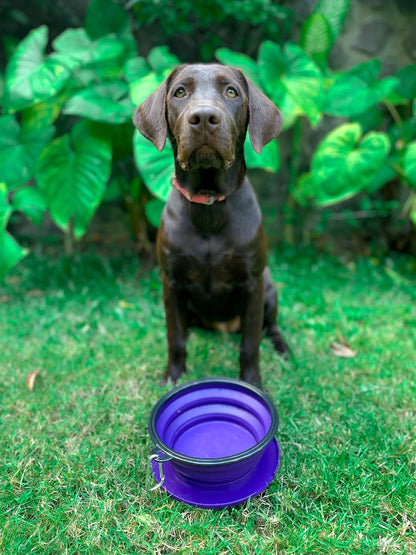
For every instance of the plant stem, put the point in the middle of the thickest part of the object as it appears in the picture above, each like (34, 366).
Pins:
(400, 172)
(69, 240)
(394, 114)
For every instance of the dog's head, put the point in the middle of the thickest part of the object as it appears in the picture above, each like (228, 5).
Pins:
(205, 110)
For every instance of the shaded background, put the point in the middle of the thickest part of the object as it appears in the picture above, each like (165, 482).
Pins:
(382, 29)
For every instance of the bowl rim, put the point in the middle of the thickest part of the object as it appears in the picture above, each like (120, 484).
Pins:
(220, 461)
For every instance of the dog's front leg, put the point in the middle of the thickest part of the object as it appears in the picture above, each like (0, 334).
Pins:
(176, 322)
(251, 326)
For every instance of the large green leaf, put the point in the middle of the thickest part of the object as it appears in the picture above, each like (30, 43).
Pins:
(156, 168)
(5, 208)
(161, 59)
(43, 114)
(268, 159)
(92, 60)
(385, 173)
(344, 164)
(19, 150)
(72, 173)
(334, 13)
(77, 46)
(409, 163)
(357, 90)
(316, 38)
(108, 102)
(136, 68)
(292, 80)
(142, 80)
(247, 65)
(272, 67)
(10, 253)
(141, 88)
(32, 77)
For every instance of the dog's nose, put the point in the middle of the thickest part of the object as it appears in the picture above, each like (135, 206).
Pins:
(204, 117)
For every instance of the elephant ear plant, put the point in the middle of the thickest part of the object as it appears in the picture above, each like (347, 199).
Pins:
(66, 135)
(374, 144)
(344, 163)
(49, 159)
(355, 158)
(66, 130)
(67, 142)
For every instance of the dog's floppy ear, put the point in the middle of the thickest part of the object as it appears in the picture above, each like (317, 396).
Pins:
(150, 116)
(265, 120)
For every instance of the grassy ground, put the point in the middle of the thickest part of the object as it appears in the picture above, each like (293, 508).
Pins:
(73, 452)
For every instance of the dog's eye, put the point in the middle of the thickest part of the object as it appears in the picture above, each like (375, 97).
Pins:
(180, 92)
(231, 92)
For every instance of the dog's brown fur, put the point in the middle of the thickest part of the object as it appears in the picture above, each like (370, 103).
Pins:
(213, 258)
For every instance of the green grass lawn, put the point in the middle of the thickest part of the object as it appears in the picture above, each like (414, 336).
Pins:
(74, 470)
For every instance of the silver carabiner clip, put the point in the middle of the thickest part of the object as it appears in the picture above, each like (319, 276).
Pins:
(160, 458)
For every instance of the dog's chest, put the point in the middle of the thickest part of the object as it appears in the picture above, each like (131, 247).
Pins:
(213, 256)
(209, 263)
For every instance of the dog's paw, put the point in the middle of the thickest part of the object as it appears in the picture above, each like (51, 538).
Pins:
(172, 375)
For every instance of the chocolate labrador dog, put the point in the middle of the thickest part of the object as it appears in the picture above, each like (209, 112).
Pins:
(211, 245)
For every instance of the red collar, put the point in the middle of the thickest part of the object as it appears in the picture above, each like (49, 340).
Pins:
(198, 199)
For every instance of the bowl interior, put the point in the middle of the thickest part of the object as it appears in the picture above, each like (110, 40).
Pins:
(214, 419)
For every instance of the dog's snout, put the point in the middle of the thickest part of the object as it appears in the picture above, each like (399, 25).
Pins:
(204, 117)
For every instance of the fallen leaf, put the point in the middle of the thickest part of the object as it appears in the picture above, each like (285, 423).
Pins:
(342, 350)
(31, 378)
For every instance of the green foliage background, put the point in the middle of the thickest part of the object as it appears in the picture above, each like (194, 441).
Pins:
(67, 142)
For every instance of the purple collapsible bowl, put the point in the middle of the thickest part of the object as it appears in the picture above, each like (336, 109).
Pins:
(215, 442)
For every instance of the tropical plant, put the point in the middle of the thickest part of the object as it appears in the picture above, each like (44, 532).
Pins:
(59, 109)
(354, 157)
(66, 130)
(293, 77)
(346, 162)
(67, 142)
(66, 135)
